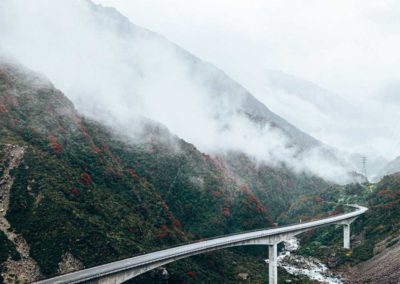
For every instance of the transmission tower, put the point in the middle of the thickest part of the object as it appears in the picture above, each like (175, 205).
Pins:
(364, 166)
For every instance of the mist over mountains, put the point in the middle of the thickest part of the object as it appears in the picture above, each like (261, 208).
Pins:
(347, 48)
(117, 72)
(329, 117)
(76, 193)
(390, 168)
(116, 142)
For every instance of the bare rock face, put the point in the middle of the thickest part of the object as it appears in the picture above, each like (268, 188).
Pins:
(69, 263)
(160, 273)
(164, 273)
(26, 269)
(383, 268)
(243, 276)
(333, 262)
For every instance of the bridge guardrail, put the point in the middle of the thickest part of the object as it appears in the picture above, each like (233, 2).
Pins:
(191, 248)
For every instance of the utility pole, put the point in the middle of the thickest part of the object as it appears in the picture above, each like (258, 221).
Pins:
(364, 166)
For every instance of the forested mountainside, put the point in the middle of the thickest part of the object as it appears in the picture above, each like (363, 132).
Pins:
(77, 194)
(374, 257)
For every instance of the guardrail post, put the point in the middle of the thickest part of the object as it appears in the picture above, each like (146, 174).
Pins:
(273, 263)
(346, 236)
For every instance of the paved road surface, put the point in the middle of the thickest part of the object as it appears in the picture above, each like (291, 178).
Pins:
(197, 248)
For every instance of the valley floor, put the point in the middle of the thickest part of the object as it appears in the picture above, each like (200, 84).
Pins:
(383, 268)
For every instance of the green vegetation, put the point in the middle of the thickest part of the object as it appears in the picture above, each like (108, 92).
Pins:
(7, 250)
(381, 223)
(85, 190)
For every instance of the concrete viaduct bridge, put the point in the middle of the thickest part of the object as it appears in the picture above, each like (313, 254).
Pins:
(123, 270)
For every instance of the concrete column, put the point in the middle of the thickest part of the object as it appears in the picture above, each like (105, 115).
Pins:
(346, 236)
(273, 263)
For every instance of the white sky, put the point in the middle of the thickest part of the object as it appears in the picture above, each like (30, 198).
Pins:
(350, 47)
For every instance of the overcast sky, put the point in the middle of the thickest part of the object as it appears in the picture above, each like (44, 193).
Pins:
(349, 47)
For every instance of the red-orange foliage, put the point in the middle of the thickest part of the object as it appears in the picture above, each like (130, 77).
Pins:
(245, 188)
(3, 108)
(387, 194)
(216, 194)
(164, 228)
(390, 205)
(191, 274)
(260, 209)
(177, 224)
(93, 146)
(226, 212)
(252, 198)
(162, 236)
(57, 148)
(86, 179)
(55, 145)
(133, 173)
(75, 192)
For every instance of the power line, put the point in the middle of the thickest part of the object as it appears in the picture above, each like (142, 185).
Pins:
(364, 166)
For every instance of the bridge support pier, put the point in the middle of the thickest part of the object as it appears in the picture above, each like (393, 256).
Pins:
(273, 263)
(346, 236)
(120, 271)
(346, 231)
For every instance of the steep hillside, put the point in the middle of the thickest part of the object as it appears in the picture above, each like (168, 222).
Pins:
(82, 194)
(375, 242)
(80, 191)
(150, 69)
(278, 186)
(330, 117)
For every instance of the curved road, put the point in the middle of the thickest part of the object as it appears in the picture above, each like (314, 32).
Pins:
(146, 262)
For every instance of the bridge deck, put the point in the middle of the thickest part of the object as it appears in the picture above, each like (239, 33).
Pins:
(197, 248)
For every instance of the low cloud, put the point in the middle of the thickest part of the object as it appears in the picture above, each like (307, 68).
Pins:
(117, 73)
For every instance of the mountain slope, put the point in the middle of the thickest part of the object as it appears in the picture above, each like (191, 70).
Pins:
(83, 194)
(325, 115)
(165, 82)
(375, 236)
(80, 191)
